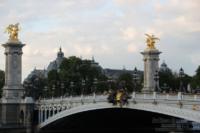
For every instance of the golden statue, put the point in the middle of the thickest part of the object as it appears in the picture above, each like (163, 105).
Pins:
(12, 30)
(151, 41)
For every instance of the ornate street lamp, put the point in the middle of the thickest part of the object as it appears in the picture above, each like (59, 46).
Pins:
(109, 81)
(95, 84)
(53, 90)
(46, 90)
(181, 75)
(135, 79)
(71, 87)
(62, 86)
(165, 87)
(83, 87)
(156, 78)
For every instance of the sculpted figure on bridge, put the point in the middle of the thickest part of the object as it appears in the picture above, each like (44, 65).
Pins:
(151, 41)
(13, 30)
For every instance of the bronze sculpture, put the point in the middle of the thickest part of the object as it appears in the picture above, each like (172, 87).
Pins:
(13, 30)
(151, 41)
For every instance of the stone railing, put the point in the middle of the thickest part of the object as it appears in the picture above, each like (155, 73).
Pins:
(49, 107)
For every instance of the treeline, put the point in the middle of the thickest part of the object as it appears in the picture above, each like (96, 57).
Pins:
(76, 76)
(170, 81)
(82, 77)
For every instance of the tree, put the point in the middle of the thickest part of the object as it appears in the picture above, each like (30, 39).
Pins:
(195, 81)
(167, 80)
(35, 87)
(82, 73)
(125, 80)
(53, 83)
(2, 81)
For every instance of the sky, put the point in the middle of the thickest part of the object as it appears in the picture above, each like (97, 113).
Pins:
(110, 30)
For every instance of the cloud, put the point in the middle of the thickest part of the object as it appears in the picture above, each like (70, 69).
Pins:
(132, 48)
(83, 50)
(109, 30)
(178, 15)
(129, 2)
(195, 58)
(129, 33)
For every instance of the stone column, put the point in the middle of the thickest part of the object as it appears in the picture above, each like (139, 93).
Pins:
(151, 58)
(13, 89)
(12, 108)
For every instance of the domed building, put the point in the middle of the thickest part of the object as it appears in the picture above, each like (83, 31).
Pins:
(164, 67)
(54, 65)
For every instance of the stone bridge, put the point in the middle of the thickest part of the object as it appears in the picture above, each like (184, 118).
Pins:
(176, 105)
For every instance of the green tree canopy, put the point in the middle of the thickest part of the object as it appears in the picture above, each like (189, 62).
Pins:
(82, 73)
(125, 80)
(195, 83)
(35, 87)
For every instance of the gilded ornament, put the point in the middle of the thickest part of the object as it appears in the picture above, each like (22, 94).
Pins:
(13, 30)
(151, 39)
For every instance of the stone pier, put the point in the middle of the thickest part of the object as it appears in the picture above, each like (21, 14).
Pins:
(16, 110)
(151, 58)
(13, 89)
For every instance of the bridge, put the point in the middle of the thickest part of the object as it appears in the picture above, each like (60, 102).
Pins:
(17, 111)
(185, 106)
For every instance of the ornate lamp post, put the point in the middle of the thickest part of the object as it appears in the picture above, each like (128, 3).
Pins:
(181, 75)
(156, 78)
(71, 87)
(94, 91)
(83, 87)
(53, 90)
(135, 79)
(95, 85)
(109, 81)
(46, 91)
(62, 86)
(165, 87)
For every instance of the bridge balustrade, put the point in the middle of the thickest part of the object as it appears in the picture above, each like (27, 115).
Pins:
(50, 107)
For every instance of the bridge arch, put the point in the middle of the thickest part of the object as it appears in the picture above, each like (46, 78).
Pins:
(154, 108)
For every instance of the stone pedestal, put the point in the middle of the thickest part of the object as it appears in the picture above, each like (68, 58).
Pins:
(15, 111)
(13, 89)
(151, 58)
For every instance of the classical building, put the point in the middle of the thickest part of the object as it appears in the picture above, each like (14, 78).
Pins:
(164, 67)
(115, 73)
(36, 73)
(53, 65)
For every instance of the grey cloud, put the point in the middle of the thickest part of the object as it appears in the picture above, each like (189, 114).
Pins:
(97, 28)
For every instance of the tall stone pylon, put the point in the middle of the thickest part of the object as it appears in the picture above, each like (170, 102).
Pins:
(151, 58)
(13, 89)
(15, 108)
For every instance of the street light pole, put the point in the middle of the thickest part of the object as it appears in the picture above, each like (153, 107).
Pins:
(165, 87)
(109, 83)
(62, 88)
(181, 75)
(83, 87)
(135, 78)
(46, 91)
(53, 90)
(156, 78)
(71, 86)
(94, 91)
